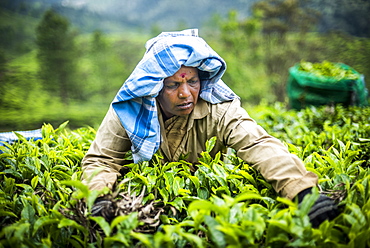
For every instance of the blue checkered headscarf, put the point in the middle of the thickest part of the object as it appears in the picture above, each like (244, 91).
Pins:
(135, 102)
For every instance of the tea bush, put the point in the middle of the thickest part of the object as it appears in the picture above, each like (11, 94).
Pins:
(224, 203)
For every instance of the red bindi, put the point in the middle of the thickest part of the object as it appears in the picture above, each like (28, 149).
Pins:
(182, 75)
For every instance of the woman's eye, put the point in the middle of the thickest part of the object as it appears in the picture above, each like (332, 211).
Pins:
(171, 86)
(193, 82)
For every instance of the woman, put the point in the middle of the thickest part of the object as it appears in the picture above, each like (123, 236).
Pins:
(172, 103)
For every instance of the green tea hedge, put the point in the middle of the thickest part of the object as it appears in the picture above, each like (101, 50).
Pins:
(225, 203)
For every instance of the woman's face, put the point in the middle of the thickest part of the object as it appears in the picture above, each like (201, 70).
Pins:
(180, 92)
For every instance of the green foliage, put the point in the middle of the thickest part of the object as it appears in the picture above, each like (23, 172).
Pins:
(224, 203)
(31, 187)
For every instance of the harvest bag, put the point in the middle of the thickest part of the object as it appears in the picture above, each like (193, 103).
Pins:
(305, 89)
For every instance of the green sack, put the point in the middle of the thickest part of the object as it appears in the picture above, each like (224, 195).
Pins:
(307, 88)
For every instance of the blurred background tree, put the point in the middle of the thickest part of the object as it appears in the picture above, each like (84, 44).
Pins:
(57, 57)
(285, 25)
(347, 16)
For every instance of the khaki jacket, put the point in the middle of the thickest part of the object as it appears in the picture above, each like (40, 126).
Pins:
(228, 121)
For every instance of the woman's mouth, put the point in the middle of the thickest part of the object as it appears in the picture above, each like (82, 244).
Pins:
(185, 106)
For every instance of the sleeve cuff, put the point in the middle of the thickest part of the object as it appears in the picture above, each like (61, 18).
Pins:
(293, 188)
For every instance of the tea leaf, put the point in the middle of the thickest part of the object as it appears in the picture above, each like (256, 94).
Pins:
(43, 221)
(71, 223)
(34, 182)
(210, 144)
(7, 213)
(216, 235)
(104, 225)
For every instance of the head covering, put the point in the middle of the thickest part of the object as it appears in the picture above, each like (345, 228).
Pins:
(135, 102)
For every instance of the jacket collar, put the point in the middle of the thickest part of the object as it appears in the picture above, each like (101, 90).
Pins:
(201, 109)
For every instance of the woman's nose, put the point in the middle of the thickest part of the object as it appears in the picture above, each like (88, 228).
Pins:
(184, 91)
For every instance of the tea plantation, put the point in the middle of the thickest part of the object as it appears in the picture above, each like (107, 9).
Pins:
(225, 203)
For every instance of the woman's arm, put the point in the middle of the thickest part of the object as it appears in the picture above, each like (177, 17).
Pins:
(105, 157)
(285, 171)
